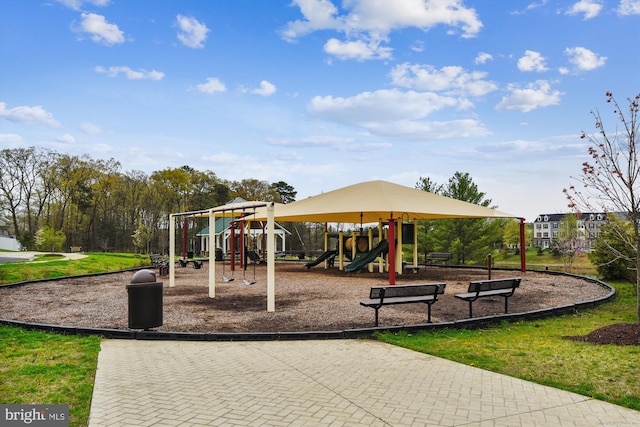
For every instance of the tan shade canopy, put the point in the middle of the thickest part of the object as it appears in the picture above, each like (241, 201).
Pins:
(375, 201)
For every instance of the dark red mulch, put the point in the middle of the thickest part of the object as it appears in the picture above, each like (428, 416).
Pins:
(618, 334)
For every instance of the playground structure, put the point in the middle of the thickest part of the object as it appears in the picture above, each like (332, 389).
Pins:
(360, 251)
(367, 202)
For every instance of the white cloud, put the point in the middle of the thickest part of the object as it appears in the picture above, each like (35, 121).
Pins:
(130, 73)
(395, 113)
(532, 61)
(77, 4)
(590, 8)
(629, 7)
(100, 30)
(430, 131)
(357, 49)
(192, 33)
(212, 85)
(318, 14)
(525, 99)
(67, 138)
(417, 46)
(266, 89)
(451, 79)
(381, 105)
(483, 58)
(29, 115)
(367, 23)
(584, 59)
(530, 6)
(90, 128)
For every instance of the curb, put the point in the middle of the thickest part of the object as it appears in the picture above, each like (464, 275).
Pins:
(473, 323)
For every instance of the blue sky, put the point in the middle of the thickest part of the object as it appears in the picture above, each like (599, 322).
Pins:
(323, 94)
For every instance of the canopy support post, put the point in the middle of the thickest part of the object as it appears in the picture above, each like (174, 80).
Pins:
(523, 249)
(212, 250)
(271, 259)
(172, 251)
(392, 250)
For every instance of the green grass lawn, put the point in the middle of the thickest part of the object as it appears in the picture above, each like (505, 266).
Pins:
(545, 260)
(537, 351)
(50, 266)
(47, 368)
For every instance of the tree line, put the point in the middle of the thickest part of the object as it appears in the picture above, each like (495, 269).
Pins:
(98, 207)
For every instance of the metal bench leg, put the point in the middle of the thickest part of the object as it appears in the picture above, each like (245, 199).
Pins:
(506, 305)
(429, 313)
(376, 317)
(470, 309)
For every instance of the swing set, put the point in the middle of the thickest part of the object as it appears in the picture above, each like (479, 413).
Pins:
(244, 240)
(243, 250)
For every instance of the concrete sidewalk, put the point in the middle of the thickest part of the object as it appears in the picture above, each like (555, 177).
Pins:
(30, 256)
(321, 383)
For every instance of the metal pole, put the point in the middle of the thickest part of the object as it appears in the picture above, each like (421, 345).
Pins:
(271, 259)
(392, 250)
(523, 249)
(212, 250)
(172, 251)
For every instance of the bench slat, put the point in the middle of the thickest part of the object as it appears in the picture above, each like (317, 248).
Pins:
(398, 300)
(484, 294)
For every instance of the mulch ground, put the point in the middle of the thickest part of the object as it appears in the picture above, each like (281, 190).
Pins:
(315, 299)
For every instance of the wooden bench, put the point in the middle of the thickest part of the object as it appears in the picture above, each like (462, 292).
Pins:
(490, 288)
(404, 294)
(433, 257)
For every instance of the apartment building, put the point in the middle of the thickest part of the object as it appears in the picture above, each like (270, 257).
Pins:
(546, 227)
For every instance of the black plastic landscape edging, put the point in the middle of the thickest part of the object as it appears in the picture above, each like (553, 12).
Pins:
(473, 323)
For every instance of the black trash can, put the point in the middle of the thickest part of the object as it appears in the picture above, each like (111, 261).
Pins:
(145, 300)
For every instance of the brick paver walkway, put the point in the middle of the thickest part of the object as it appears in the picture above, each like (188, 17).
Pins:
(320, 383)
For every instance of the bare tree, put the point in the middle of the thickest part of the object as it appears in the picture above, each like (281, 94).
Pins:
(22, 188)
(610, 180)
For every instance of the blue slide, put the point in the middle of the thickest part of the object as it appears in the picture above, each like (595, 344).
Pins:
(359, 263)
(321, 258)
